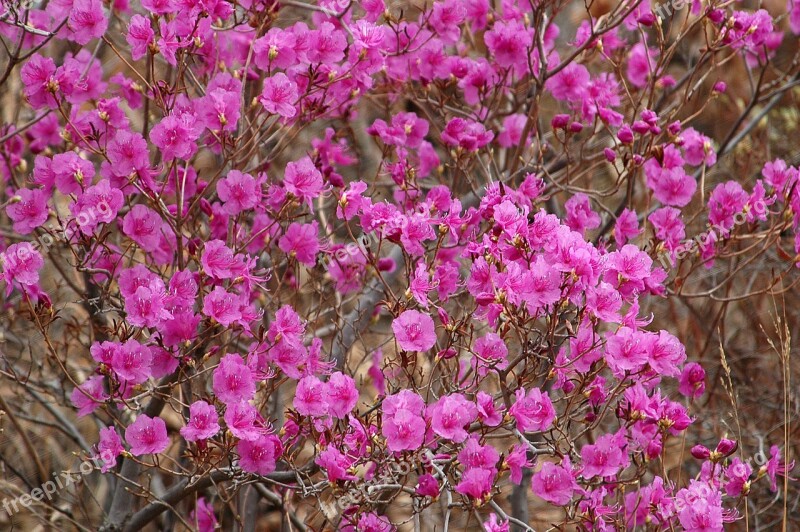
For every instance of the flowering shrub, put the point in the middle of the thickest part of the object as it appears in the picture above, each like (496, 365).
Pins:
(366, 266)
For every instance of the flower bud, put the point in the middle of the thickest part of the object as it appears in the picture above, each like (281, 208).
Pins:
(560, 121)
(727, 447)
(700, 452)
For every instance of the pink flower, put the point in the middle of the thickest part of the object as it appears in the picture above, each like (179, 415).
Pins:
(175, 136)
(222, 306)
(310, 397)
(692, 381)
(466, 134)
(275, 49)
(239, 192)
(29, 211)
(508, 43)
(303, 180)
(336, 464)
(671, 186)
(109, 447)
(259, 456)
(726, 200)
(203, 516)
(476, 482)
(414, 331)
(626, 350)
(40, 82)
(301, 242)
(341, 394)
(450, 414)
(490, 352)
(233, 381)
(71, 172)
(775, 467)
(403, 425)
(127, 153)
(555, 484)
(493, 525)
(218, 110)
(473, 454)
(487, 411)
(580, 215)
(147, 435)
(641, 63)
(87, 21)
(219, 262)
(140, 36)
(243, 421)
(626, 227)
(570, 84)
(516, 460)
(666, 354)
(533, 412)
(132, 362)
(279, 95)
(606, 456)
(89, 395)
(427, 486)
(143, 226)
(100, 203)
(326, 44)
(203, 422)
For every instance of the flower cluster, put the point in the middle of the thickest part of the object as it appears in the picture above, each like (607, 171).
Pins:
(330, 238)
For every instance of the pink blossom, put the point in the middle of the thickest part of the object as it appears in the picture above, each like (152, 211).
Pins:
(259, 456)
(606, 456)
(555, 484)
(40, 82)
(89, 395)
(109, 447)
(403, 425)
(203, 422)
(279, 95)
(140, 36)
(233, 381)
(450, 415)
(336, 464)
(203, 516)
(219, 261)
(341, 394)
(692, 380)
(570, 84)
(516, 460)
(414, 331)
(509, 43)
(29, 211)
(243, 421)
(132, 362)
(303, 180)
(300, 241)
(143, 226)
(310, 397)
(533, 412)
(71, 172)
(427, 486)
(491, 352)
(175, 136)
(147, 435)
(476, 482)
(223, 306)
(86, 21)
(470, 136)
